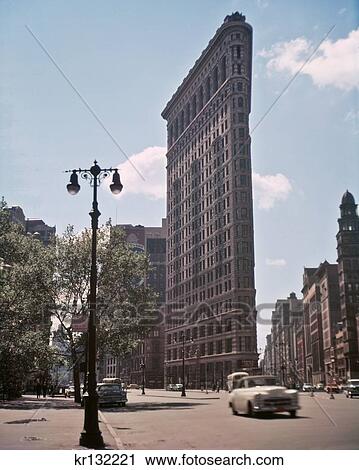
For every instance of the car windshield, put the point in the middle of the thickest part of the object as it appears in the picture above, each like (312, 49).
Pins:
(262, 381)
(109, 389)
(354, 382)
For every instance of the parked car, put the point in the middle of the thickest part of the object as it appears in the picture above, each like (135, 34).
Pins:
(69, 391)
(133, 386)
(332, 388)
(320, 387)
(174, 387)
(307, 388)
(352, 388)
(111, 394)
(262, 394)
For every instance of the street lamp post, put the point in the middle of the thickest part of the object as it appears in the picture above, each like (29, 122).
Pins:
(91, 435)
(143, 367)
(332, 364)
(183, 393)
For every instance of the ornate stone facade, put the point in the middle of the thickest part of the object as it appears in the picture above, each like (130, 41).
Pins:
(210, 293)
(348, 269)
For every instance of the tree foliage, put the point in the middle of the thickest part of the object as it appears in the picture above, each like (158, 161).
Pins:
(25, 277)
(44, 283)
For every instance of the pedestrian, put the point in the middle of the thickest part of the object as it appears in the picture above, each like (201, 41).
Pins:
(38, 388)
(218, 387)
(44, 389)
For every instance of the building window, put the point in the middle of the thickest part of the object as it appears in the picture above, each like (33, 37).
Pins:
(228, 345)
(223, 69)
(219, 347)
(247, 343)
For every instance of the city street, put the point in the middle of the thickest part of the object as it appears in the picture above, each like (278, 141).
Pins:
(165, 420)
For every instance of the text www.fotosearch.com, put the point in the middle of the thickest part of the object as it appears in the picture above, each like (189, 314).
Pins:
(218, 460)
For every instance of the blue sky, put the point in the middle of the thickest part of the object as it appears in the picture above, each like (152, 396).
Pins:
(127, 59)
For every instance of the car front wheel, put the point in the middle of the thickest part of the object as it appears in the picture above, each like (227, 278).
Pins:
(293, 413)
(249, 409)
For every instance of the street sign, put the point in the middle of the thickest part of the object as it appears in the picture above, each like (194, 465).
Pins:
(79, 323)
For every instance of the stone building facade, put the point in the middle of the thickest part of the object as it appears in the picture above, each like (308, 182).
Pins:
(282, 348)
(210, 292)
(348, 266)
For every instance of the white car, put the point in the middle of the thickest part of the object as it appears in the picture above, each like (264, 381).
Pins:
(262, 394)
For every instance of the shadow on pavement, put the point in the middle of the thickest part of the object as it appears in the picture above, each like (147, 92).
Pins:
(270, 416)
(32, 403)
(206, 397)
(132, 407)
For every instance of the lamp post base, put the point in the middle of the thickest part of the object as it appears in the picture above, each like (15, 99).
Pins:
(91, 436)
(183, 394)
(92, 440)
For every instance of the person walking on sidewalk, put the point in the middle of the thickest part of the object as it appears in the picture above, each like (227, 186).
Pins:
(44, 389)
(38, 389)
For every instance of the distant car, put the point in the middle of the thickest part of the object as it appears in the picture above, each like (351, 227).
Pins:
(352, 388)
(133, 386)
(307, 388)
(320, 387)
(69, 391)
(111, 394)
(262, 394)
(174, 387)
(332, 388)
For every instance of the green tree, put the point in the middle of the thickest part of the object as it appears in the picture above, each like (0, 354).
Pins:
(125, 305)
(25, 322)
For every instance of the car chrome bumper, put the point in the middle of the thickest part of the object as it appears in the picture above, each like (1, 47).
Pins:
(274, 408)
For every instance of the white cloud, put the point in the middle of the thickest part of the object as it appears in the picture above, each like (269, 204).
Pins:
(336, 63)
(151, 164)
(278, 262)
(262, 3)
(342, 11)
(269, 189)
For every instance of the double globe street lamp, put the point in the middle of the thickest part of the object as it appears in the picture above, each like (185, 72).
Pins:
(91, 435)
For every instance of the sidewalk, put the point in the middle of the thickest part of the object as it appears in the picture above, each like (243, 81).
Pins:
(47, 423)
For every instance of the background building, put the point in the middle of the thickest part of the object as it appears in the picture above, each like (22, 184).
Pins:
(281, 353)
(320, 344)
(150, 350)
(35, 227)
(348, 265)
(210, 255)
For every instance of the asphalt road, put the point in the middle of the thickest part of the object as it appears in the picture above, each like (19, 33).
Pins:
(165, 420)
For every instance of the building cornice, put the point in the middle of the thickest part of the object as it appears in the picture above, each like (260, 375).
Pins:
(223, 29)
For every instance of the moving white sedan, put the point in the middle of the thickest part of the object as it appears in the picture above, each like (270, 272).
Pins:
(262, 394)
